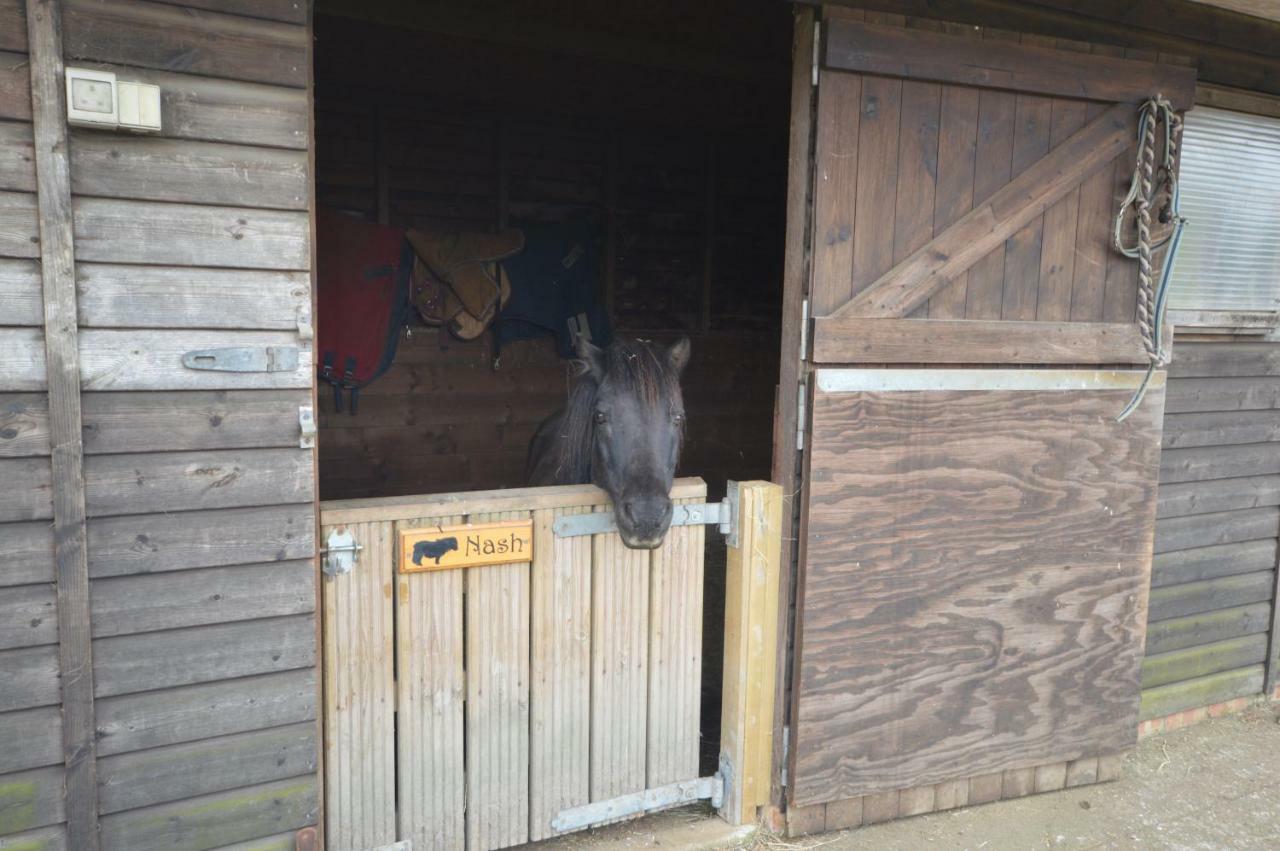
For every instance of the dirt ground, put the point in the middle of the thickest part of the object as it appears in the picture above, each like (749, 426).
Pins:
(1215, 785)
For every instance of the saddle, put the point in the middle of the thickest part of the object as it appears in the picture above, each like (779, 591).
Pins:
(457, 278)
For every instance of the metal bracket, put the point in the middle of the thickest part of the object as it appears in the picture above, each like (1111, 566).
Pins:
(661, 798)
(244, 359)
(340, 552)
(306, 426)
(721, 514)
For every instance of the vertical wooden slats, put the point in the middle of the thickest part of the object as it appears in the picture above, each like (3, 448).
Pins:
(431, 687)
(835, 181)
(619, 667)
(497, 630)
(992, 170)
(876, 196)
(1058, 257)
(1033, 122)
(359, 696)
(917, 170)
(675, 655)
(520, 690)
(957, 159)
(560, 675)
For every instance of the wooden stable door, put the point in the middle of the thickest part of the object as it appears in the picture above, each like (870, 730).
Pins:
(976, 538)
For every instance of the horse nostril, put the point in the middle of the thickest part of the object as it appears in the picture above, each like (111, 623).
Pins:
(629, 510)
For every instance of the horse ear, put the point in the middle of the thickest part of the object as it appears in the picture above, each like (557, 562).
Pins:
(591, 357)
(678, 355)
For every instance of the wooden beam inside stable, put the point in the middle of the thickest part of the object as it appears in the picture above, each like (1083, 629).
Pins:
(922, 54)
(854, 339)
(935, 265)
(57, 263)
(1268, 9)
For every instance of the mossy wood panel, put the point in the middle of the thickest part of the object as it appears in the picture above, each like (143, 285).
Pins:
(1201, 691)
(1192, 565)
(42, 839)
(189, 713)
(1208, 595)
(31, 799)
(974, 595)
(212, 821)
(1208, 627)
(160, 775)
(1203, 660)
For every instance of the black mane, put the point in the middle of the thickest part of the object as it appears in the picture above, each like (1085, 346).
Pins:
(640, 367)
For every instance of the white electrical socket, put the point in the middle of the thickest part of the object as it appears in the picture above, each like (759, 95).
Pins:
(91, 97)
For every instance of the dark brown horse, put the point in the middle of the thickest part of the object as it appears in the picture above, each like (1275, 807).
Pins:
(622, 431)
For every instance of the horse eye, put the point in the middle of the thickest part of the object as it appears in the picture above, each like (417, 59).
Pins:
(601, 417)
(678, 419)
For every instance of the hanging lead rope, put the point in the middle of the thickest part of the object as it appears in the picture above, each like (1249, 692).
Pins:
(1142, 196)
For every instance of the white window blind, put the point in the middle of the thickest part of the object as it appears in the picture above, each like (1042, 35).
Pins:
(1230, 256)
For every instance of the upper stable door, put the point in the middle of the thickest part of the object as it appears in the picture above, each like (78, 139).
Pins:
(975, 543)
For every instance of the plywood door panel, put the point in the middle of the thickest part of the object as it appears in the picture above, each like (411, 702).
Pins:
(975, 583)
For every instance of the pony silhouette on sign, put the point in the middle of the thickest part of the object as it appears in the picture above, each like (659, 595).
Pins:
(622, 431)
(434, 550)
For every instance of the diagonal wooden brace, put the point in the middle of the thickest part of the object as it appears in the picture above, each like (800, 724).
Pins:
(913, 281)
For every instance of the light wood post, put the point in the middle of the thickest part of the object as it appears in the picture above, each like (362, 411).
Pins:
(752, 575)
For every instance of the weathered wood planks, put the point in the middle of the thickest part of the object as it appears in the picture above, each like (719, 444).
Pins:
(857, 339)
(161, 775)
(17, 157)
(152, 35)
(30, 738)
(146, 602)
(948, 681)
(121, 231)
(28, 549)
(178, 481)
(125, 545)
(20, 293)
(149, 661)
(157, 169)
(918, 54)
(137, 722)
(222, 818)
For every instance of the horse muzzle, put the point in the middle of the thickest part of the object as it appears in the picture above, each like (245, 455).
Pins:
(643, 520)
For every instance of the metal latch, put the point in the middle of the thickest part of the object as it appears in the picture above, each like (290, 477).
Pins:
(661, 798)
(306, 426)
(340, 552)
(723, 514)
(244, 359)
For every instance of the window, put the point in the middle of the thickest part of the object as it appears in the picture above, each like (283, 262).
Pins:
(1230, 256)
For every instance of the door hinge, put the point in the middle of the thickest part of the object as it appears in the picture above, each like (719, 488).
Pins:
(340, 552)
(817, 49)
(723, 514)
(800, 414)
(804, 330)
(244, 359)
(306, 426)
(660, 798)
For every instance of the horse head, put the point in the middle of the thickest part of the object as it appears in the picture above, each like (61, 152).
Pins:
(636, 431)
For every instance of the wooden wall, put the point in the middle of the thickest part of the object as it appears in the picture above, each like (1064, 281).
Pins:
(1213, 577)
(201, 520)
(682, 169)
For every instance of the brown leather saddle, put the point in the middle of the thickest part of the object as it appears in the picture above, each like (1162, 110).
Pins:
(457, 279)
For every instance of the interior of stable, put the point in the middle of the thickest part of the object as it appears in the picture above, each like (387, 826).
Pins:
(662, 124)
